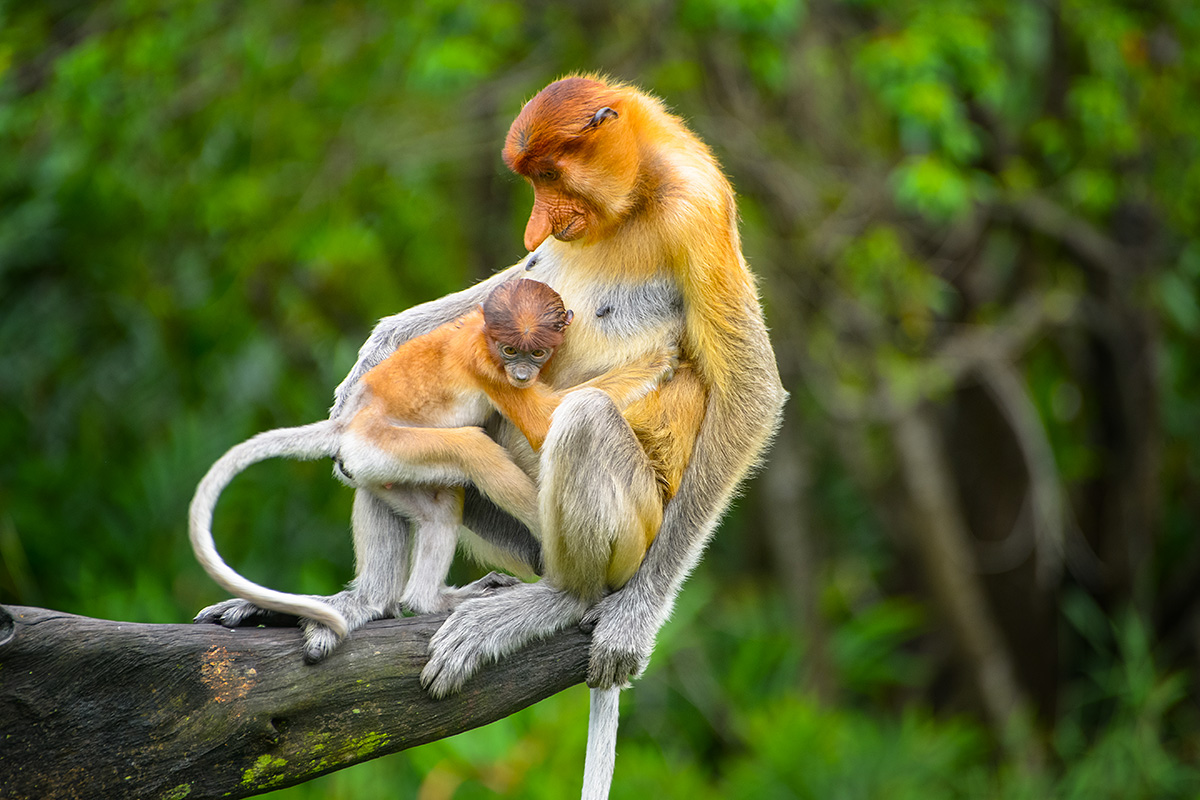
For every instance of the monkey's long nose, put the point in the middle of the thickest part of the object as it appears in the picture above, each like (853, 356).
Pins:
(538, 228)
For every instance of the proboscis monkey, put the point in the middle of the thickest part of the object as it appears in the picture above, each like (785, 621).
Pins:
(635, 225)
(407, 437)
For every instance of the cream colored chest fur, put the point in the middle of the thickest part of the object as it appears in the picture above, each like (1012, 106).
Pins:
(616, 321)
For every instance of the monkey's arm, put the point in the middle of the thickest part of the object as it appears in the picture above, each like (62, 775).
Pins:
(631, 382)
(742, 413)
(393, 331)
(530, 409)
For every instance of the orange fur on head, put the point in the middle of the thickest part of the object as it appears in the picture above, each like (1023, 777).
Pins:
(573, 145)
(556, 117)
(526, 314)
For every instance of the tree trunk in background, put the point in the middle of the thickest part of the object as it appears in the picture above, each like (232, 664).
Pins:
(942, 544)
(787, 521)
(1118, 512)
(993, 485)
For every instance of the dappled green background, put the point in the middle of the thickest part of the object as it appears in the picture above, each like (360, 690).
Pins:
(971, 567)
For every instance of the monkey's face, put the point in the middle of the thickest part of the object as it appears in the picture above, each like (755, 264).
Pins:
(522, 366)
(573, 146)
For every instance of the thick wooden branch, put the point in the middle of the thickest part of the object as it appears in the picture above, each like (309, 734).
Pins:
(93, 708)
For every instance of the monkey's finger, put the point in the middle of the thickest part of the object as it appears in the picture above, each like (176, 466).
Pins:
(613, 668)
(237, 613)
(495, 580)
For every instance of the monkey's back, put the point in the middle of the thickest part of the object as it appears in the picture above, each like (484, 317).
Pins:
(427, 381)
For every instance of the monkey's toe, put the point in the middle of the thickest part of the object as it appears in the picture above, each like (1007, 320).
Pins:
(319, 642)
(452, 658)
(237, 613)
(442, 679)
(495, 580)
(314, 654)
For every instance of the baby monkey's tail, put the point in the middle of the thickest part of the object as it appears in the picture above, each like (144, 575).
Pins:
(306, 442)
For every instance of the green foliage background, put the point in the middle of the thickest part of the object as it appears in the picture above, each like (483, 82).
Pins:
(204, 207)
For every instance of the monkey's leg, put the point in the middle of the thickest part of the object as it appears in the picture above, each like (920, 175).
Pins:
(452, 456)
(509, 544)
(600, 507)
(381, 559)
(434, 513)
(600, 503)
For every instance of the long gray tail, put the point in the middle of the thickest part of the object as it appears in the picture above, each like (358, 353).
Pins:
(601, 759)
(306, 442)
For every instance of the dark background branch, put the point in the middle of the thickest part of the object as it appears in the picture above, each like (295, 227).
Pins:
(93, 708)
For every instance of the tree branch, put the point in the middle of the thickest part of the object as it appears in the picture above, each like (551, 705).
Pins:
(93, 708)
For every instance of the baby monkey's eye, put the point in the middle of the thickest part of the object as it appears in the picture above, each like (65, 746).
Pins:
(538, 354)
(509, 350)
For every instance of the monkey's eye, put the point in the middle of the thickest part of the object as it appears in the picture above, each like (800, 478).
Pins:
(509, 350)
(548, 175)
(538, 354)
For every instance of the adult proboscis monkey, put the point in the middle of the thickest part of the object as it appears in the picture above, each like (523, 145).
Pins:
(635, 225)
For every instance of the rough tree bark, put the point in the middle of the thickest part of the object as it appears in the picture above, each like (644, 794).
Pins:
(93, 708)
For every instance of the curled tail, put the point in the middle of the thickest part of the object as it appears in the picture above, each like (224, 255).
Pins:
(603, 716)
(307, 442)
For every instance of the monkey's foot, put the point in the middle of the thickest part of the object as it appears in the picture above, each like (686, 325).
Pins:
(484, 629)
(485, 586)
(448, 598)
(238, 613)
(320, 641)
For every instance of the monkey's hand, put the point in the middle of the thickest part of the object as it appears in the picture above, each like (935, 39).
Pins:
(622, 640)
(669, 363)
(629, 383)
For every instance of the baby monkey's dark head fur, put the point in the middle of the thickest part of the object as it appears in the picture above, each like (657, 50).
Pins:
(524, 321)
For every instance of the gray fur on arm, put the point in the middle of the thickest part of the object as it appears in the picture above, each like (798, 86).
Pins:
(736, 430)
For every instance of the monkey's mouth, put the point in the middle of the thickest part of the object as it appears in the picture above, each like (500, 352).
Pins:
(573, 230)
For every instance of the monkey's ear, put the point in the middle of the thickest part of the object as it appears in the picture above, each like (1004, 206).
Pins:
(599, 117)
(567, 319)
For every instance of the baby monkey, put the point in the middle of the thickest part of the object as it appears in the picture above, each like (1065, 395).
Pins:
(410, 435)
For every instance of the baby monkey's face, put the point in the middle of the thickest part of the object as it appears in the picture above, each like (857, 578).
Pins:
(522, 366)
